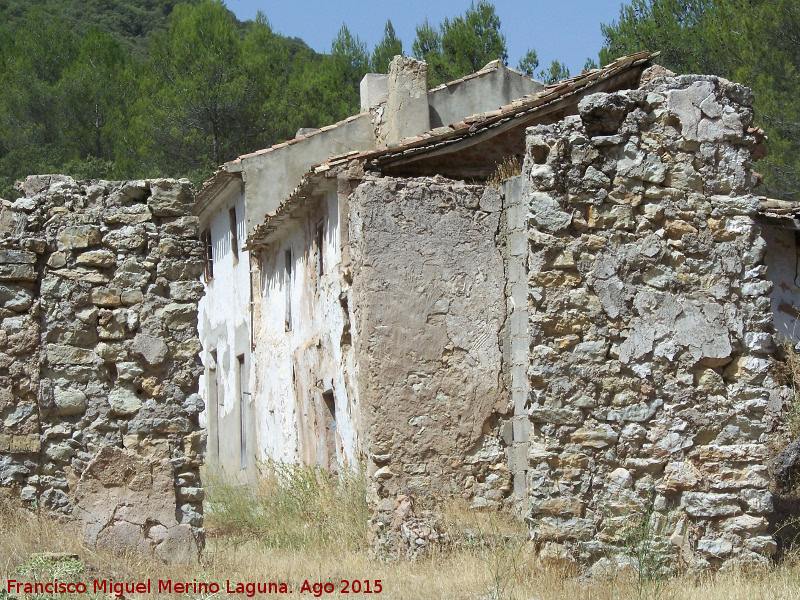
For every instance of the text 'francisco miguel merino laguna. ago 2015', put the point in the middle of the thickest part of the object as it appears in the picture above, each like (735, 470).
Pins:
(162, 586)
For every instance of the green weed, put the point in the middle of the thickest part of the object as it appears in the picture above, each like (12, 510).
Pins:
(294, 507)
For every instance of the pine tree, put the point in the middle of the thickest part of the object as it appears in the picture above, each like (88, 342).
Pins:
(554, 73)
(461, 46)
(529, 63)
(350, 62)
(198, 97)
(389, 47)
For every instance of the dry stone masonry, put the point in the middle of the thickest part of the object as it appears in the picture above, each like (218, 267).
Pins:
(640, 335)
(99, 359)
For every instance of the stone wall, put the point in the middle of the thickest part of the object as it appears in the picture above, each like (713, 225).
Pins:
(99, 358)
(638, 284)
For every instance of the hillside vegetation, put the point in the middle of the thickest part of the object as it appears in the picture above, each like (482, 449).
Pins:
(135, 88)
(146, 88)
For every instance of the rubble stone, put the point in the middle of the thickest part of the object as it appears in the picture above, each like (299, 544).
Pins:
(87, 360)
(631, 357)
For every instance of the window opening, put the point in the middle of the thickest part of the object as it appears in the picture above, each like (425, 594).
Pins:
(213, 404)
(288, 285)
(208, 255)
(242, 412)
(234, 236)
(320, 249)
(329, 435)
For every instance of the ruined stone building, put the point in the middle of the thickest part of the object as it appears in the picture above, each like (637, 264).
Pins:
(279, 379)
(592, 341)
(589, 342)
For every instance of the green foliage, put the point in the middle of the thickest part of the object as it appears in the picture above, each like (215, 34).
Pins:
(350, 63)
(44, 569)
(145, 88)
(675, 27)
(529, 63)
(197, 92)
(83, 99)
(649, 555)
(554, 73)
(95, 89)
(129, 22)
(428, 41)
(389, 47)
(461, 46)
(296, 507)
(754, 42)
(590, 64)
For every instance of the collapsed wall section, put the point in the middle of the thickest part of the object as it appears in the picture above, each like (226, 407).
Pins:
(428, 303)
(99, 359)
(649, 331)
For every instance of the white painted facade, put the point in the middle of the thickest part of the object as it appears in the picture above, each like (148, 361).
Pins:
(224, 328)
(281, 375)
(303, 384)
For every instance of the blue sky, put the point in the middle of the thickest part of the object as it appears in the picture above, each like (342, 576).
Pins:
(567, 30)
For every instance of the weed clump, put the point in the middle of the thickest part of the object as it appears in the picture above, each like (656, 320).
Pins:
(509, 167)
(788, 371)
(294, 507)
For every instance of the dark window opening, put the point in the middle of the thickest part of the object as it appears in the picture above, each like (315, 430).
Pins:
(329, 434)
(208, 255)
(234, 236)
(320, 249)
(288, 284)
(242, 412)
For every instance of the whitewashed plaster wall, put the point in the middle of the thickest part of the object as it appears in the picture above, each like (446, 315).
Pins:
(293, 368)
(782, 270)
(224, 328)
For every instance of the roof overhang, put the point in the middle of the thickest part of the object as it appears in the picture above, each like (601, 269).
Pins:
(214, 192)
(783, 214)
(303, 200)
(547, 106)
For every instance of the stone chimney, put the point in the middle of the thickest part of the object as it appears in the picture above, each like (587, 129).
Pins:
(407, 111)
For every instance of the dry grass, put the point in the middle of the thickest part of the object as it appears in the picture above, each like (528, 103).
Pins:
(488, 558)
(788, 371)
(509, 167)
(294, 507)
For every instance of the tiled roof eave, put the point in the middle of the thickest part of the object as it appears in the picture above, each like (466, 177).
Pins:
(438, 139)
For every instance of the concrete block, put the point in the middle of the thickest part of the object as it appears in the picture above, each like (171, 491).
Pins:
(516, 216)
(519, 375)
(522, 429)
(519, 293)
